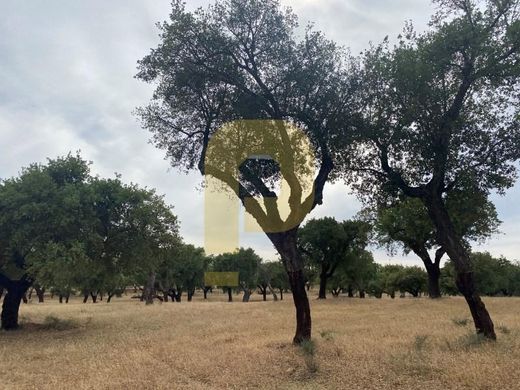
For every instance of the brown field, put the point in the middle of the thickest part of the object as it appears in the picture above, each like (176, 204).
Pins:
(359, 344)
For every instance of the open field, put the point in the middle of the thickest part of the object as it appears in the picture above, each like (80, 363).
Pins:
(359, 344)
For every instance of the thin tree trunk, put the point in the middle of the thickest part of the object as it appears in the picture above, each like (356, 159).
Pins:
(60, 298)
(67, 296)
(286, 244)
(149, 290)
(350, 291)
(230, 296)
(85, 297)
(40, 292)
(247, 295)
(94, 297)
(281, 294)
(322, 294)
(458, 254)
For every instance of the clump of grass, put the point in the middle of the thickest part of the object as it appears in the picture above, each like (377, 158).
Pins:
(503, 329)
(54, 323)
(308, 348)
(460, 321)
(420, 342)
(468, 341)
(327, 335)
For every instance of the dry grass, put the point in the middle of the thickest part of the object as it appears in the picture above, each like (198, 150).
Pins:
(358, 344)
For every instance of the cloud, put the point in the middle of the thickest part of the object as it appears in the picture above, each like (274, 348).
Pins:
(66, 83)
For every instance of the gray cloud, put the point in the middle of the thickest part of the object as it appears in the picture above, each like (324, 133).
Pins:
(66, 83)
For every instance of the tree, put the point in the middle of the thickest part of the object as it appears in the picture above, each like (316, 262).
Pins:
(438, 110)
(240, 60)
(244, 261)
(326, 243)
(412, 280)
(407, 223)
(66, 230)
(360, 269)
(40, 211)
(279, 279)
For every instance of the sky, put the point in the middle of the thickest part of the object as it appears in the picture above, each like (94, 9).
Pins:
(67, 83)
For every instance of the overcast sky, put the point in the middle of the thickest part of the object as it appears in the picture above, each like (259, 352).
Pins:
(66, 84)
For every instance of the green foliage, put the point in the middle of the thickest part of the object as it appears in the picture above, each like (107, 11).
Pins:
(244, 261)
(328, 244)
(68, 230)
(493, 276)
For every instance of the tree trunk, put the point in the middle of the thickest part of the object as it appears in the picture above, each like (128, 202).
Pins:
(85, 297)
(67, 296)
(40, 292)
(205, 291)
(191, 292)
(149, 290)
(350, 292)
(322, 294)
(109, 297)
(60, 298)
(230, 296)
(11, 305)
(272, 292)
(1, 292)
(434, 289)
(286, 244)
(281, 294)
(247, 295)
(94, 297)
(458, 254)
(362, 294)
(432, 268)
(165, 296)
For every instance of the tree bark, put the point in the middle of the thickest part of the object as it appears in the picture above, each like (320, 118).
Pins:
(230, 295)
(247, 295)
(322, 294)
(281, 294)
(286, 245)
(350, 292)
(191, 292)
(432, 268)
(362, 294)
(15, 292)
(458, 254)
(149, 290)
(94, 297)
(40, 292)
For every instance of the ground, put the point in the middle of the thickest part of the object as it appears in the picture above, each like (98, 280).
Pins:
(357, 344)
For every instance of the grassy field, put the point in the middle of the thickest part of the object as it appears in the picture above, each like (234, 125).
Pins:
(358, 344)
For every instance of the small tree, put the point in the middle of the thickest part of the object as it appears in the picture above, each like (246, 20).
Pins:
(326, 243)
(246, 263)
